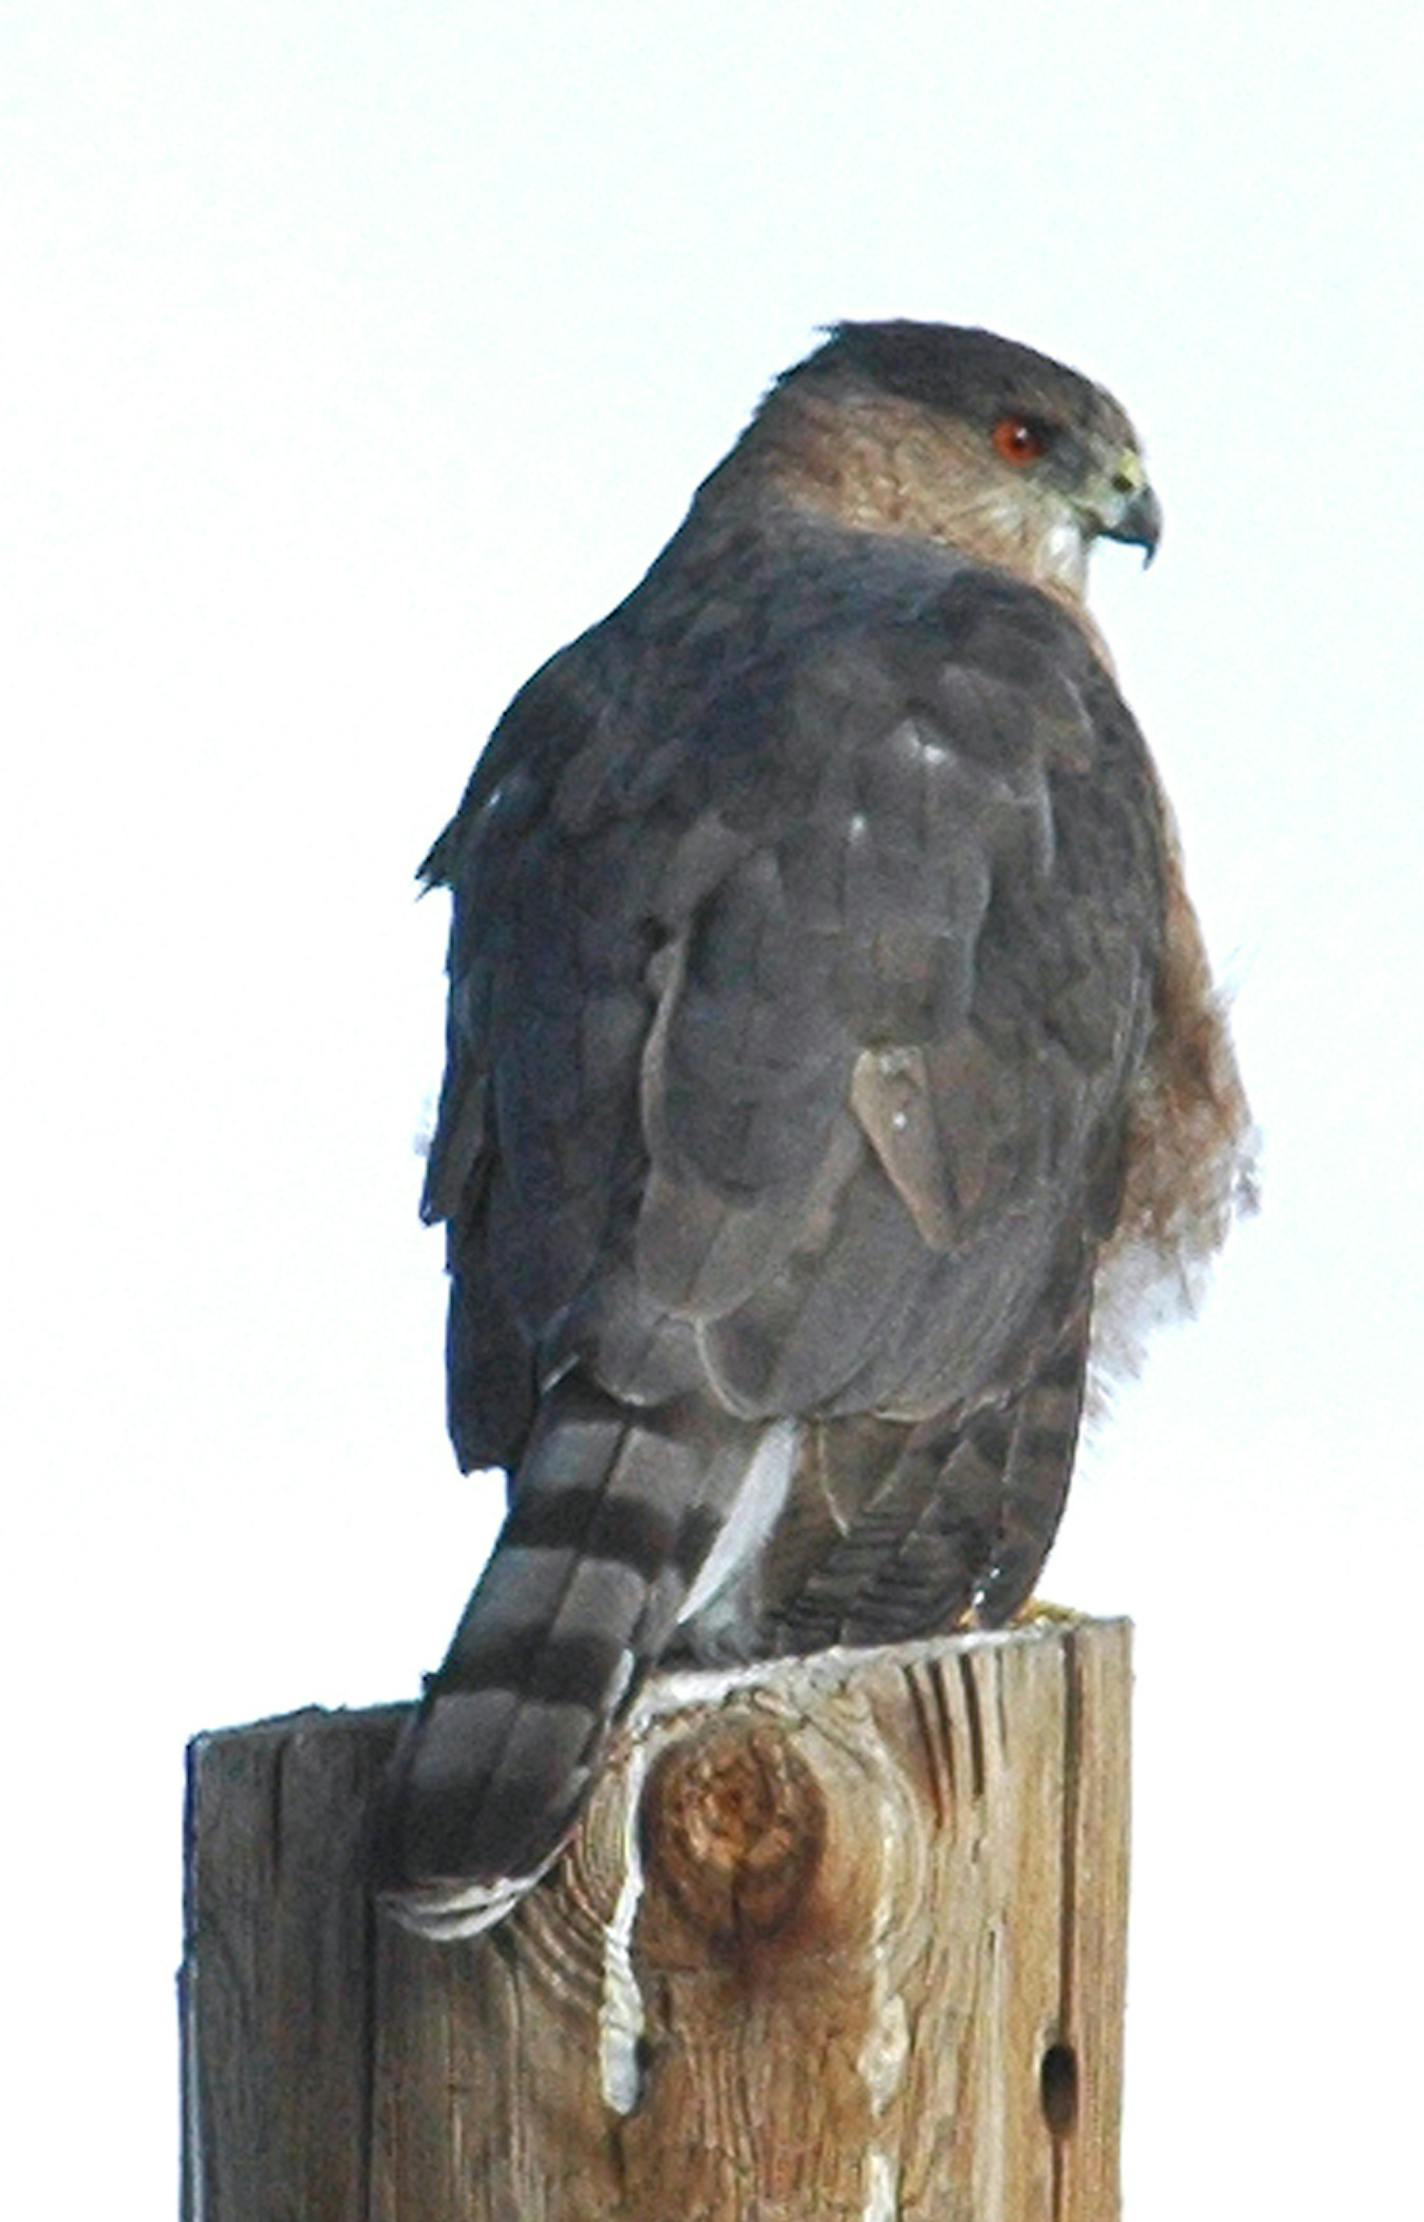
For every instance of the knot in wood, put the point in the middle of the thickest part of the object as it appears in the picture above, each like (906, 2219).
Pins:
(735, 1825)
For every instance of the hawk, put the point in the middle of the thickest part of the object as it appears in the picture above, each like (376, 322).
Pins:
(831, 1054)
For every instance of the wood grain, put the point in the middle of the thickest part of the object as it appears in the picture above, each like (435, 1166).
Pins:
(840, 1940)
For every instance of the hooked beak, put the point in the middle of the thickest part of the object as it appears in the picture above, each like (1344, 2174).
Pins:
(1130, 510)
(1139, 523)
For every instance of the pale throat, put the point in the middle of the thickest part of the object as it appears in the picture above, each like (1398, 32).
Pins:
(1051, 549)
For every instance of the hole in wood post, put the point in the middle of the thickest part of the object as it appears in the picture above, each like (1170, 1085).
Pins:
(1058, 2089)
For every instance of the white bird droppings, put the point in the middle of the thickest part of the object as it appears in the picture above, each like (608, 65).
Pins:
(882, 2187)
(884, 2054)
(620, 2014)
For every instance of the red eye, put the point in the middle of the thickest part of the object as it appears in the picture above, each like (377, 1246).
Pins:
(1018, 441)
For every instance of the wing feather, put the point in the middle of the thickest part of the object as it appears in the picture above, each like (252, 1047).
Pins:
(796, 973)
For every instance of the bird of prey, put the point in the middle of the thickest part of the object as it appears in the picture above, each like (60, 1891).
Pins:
(831, 1054)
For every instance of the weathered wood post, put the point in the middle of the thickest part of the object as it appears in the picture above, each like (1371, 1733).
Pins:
(838, 1938)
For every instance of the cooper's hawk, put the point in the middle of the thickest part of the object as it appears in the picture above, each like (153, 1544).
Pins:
(829, 1035)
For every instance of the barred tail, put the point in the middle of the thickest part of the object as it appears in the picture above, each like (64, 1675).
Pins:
(613, 1513)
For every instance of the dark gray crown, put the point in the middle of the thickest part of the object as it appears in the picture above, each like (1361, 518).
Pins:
(974, 374)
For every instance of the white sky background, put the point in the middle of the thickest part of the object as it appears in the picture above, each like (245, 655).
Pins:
(357, 356)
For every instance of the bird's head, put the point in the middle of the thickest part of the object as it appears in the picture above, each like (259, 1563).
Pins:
(952, 434)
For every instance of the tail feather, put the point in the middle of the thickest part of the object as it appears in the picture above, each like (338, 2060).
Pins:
(614, 1511)
(625, 1522)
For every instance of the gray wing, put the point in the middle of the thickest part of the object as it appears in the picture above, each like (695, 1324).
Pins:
(795, 997)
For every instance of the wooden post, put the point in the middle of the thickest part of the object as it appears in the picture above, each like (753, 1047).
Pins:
(840, 1940)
